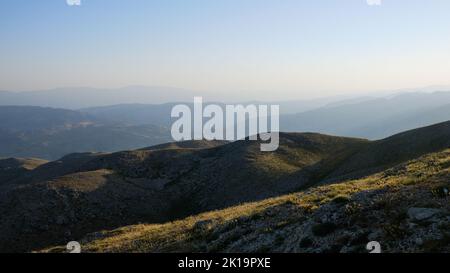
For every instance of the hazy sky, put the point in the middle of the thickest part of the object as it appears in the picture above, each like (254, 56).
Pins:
(293, 48)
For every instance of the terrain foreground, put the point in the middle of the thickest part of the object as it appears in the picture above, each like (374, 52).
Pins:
(405, 208)
(316, 193)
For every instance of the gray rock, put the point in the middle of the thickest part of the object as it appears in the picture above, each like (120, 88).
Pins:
(376, 235)
(92, 237)
(419, 241)
(420, 214)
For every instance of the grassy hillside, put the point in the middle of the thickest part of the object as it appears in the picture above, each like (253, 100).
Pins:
(343, 217)
(86, 192)
(83, 193)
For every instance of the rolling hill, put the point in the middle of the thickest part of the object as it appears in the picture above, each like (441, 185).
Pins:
(83, 193)
(405, 208)
(14, 167)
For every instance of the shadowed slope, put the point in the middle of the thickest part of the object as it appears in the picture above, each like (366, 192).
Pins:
(155, 185)
(14, 167)
(398, 148)
(332, 218)
(87, 192)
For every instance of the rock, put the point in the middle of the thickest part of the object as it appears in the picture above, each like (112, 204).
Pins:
(92, 237)
(420, 214)
(349, 249)
(376, 235)
(419, 241)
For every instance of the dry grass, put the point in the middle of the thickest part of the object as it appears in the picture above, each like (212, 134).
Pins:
(428, 172)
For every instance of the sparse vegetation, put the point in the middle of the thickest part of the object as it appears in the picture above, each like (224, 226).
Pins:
(341, 199)
(143, 197)
(374, 199)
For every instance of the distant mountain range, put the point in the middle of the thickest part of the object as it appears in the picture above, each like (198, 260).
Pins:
(366, 117)
(373, 118)
(48, 133)
(50, 203)
(84, 97)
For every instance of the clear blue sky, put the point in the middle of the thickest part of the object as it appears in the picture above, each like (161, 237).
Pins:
(297, 48)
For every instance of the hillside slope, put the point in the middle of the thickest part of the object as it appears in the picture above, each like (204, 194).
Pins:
(405, 208)
(83, 193)
(86, 192)
(395, 149)
(15, 167)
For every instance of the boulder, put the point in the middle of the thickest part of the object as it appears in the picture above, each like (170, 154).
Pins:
(420, 214)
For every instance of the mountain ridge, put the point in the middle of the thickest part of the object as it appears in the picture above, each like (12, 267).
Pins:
(83, 193)
(404, 208)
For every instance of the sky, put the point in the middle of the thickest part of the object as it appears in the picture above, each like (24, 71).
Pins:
(260, 49)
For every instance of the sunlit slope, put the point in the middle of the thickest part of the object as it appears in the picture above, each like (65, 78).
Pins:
(83, 193)
(405, 208)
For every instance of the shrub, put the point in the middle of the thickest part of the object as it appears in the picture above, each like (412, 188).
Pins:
(323, 229)
(441, 192)
(306, 242)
